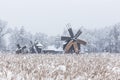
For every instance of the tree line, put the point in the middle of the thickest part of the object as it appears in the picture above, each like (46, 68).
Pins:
(106, 39)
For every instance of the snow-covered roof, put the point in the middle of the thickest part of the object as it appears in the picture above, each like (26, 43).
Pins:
(52, 47)
(39, 44)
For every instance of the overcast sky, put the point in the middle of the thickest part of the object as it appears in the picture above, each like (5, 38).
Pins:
(51, 16)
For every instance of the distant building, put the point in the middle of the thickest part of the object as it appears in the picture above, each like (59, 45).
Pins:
(52, 49)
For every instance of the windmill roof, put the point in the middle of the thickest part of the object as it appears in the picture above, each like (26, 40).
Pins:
(39, 44)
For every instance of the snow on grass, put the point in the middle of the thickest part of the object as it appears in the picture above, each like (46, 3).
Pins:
(60, 67)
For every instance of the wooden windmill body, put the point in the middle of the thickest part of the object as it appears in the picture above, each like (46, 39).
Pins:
(72, 42)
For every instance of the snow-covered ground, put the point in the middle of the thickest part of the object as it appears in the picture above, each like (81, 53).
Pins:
(60, 67)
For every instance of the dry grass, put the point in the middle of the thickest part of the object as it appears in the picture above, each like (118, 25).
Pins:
(60, 67)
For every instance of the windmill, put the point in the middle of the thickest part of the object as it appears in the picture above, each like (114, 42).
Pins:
(72, 42)
(20, 49)
(36, 47)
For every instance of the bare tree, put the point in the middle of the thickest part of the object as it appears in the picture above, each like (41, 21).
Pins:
(3, 32)
(19, 36)
(115, 38)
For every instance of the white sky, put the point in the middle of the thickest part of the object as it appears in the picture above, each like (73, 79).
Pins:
(51, 16)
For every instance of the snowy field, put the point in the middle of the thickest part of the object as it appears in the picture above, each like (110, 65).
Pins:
(60, 67)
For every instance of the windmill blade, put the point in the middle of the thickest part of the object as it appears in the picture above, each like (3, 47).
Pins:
(18, 46)
(78, 33)
(31, 42)
(64, 38)
(68, 46)
(71, 32)
(81, 42)
(75, 45)
(24, 47)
